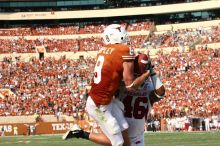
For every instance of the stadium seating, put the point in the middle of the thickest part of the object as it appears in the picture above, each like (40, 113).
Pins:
(63, 77)
(53, 43)
(57, 88)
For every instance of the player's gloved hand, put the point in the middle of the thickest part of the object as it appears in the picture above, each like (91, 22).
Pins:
(151, 68)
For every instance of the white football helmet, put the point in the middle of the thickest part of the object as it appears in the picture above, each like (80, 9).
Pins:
(115, 34)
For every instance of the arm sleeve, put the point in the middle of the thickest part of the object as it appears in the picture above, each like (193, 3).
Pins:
(128, 54)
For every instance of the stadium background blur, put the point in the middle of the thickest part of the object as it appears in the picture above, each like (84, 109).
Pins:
(48, 49)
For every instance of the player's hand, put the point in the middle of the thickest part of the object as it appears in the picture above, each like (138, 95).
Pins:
(150, 67)
(138, 81)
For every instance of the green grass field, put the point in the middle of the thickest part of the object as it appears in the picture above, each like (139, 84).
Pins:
(151, 139)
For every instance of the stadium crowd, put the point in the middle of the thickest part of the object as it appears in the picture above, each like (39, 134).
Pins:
(178, 38)
(49, 85)
(184, 37)
(69, 29)
(20, 44)
(45, 86)
(192, 83)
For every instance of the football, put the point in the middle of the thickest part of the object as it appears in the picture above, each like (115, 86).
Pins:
(141, 64)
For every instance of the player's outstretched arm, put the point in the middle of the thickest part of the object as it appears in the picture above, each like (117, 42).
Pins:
(159, 91)
(157, 94)
(128, 76)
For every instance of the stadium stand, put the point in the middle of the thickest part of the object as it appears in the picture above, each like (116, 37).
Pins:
(180, 37)
(54, 86)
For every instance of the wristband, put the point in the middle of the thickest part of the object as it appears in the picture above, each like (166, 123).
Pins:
(158, 96)
(156, 81)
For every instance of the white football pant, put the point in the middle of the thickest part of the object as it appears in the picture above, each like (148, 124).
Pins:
(110, 119)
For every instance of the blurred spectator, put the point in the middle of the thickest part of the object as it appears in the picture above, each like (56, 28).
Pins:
(15, 130)
(36, 117)
(2, 131)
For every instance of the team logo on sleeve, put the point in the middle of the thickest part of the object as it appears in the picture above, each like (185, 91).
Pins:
(131, 51)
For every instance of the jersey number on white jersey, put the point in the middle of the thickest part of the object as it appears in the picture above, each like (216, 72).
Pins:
(137, 108)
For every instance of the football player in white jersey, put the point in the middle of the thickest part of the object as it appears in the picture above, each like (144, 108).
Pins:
(137, 106)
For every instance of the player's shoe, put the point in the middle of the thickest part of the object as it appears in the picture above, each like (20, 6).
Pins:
(74, 132)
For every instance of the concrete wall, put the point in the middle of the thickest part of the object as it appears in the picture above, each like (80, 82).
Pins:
(187, 25)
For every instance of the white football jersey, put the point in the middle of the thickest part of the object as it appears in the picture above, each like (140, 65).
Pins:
(137, 106)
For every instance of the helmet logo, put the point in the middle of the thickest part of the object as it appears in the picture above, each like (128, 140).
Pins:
(107, 38)
(118, 28)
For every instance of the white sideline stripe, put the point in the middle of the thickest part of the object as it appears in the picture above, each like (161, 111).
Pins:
(37, 142)
(198, 144)
(14, 142)
(33, 138)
